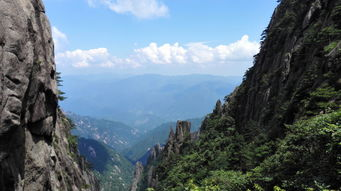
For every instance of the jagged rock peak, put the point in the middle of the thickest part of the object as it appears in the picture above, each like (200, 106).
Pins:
(137, 176)
(177, 139)
(218, 108)
(183, 129)
(34, 148)
(155, 152)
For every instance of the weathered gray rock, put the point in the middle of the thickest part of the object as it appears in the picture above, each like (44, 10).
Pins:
(155, 152)
(218, 110)
(34, 151)
(177, 139)
(137, 176)
(314, 7)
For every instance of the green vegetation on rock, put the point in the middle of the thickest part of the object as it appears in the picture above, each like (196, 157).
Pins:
(306, 158)
(281, 128)
(113, 171)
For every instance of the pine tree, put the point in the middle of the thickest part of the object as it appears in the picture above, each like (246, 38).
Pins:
(61, 94)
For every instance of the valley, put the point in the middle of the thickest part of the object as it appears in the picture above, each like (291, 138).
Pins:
(113, 147)
(157, 95)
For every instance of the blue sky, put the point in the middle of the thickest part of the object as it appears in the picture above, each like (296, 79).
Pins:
(157, 36)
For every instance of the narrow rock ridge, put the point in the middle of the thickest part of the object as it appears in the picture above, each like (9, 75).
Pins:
(137, 176)
(177, 139)
(34, 150)
(155, 152)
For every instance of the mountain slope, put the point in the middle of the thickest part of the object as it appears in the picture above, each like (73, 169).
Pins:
(146, 101)
(280, 129)
(159, 135)
(37, 151)
(112, 170)
(115, 134)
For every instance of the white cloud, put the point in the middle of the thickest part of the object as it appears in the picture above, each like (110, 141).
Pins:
(193, 54)
(199, 53)
(143, 9)
(83, 58)
(59, 38)
(99, 57)
(165, 54)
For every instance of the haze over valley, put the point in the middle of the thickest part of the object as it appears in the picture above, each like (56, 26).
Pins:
(170, 95)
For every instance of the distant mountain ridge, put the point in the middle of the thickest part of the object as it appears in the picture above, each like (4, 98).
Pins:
(111, 168)
(159, 135)
(115, 134)
(145, 101)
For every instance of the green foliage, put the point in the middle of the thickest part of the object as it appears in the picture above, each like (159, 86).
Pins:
(331, 46)
(322, 100)
(73, 143)
(190, 186)
(224, 160)
(308, 153)
(228, 180)
(159, 135)
(328, 34)
(112, 170)
(59, 80)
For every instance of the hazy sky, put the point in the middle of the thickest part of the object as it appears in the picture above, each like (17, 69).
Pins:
(171, 37)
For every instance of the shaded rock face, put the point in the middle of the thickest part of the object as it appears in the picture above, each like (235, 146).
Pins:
(291, 64)
(137, 176)
(155, 152)
(177, 139)
(152, 177)
(34, 152)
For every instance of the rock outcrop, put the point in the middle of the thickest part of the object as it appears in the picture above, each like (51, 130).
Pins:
(177, 139)
(34, 150)
(155, 152)
(294, 61)
(138, 175)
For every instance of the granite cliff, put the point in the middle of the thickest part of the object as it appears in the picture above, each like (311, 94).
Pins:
(280, 129)
(37, 151)
(148, 177)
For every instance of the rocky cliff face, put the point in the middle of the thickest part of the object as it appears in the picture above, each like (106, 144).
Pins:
(300, 53)
(177, 139)
(34, 150)
(137, 176)
(280, 127)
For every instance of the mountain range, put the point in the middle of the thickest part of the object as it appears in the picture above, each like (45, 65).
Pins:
(145, 101)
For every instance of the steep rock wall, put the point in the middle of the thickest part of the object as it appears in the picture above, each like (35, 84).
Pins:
(252, 139)
(293, 63)
(34, 152)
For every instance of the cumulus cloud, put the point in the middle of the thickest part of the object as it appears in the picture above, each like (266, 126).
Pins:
(59, 38)
(99, 57)
(199, 54)
(143, 9)
(165, 54)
